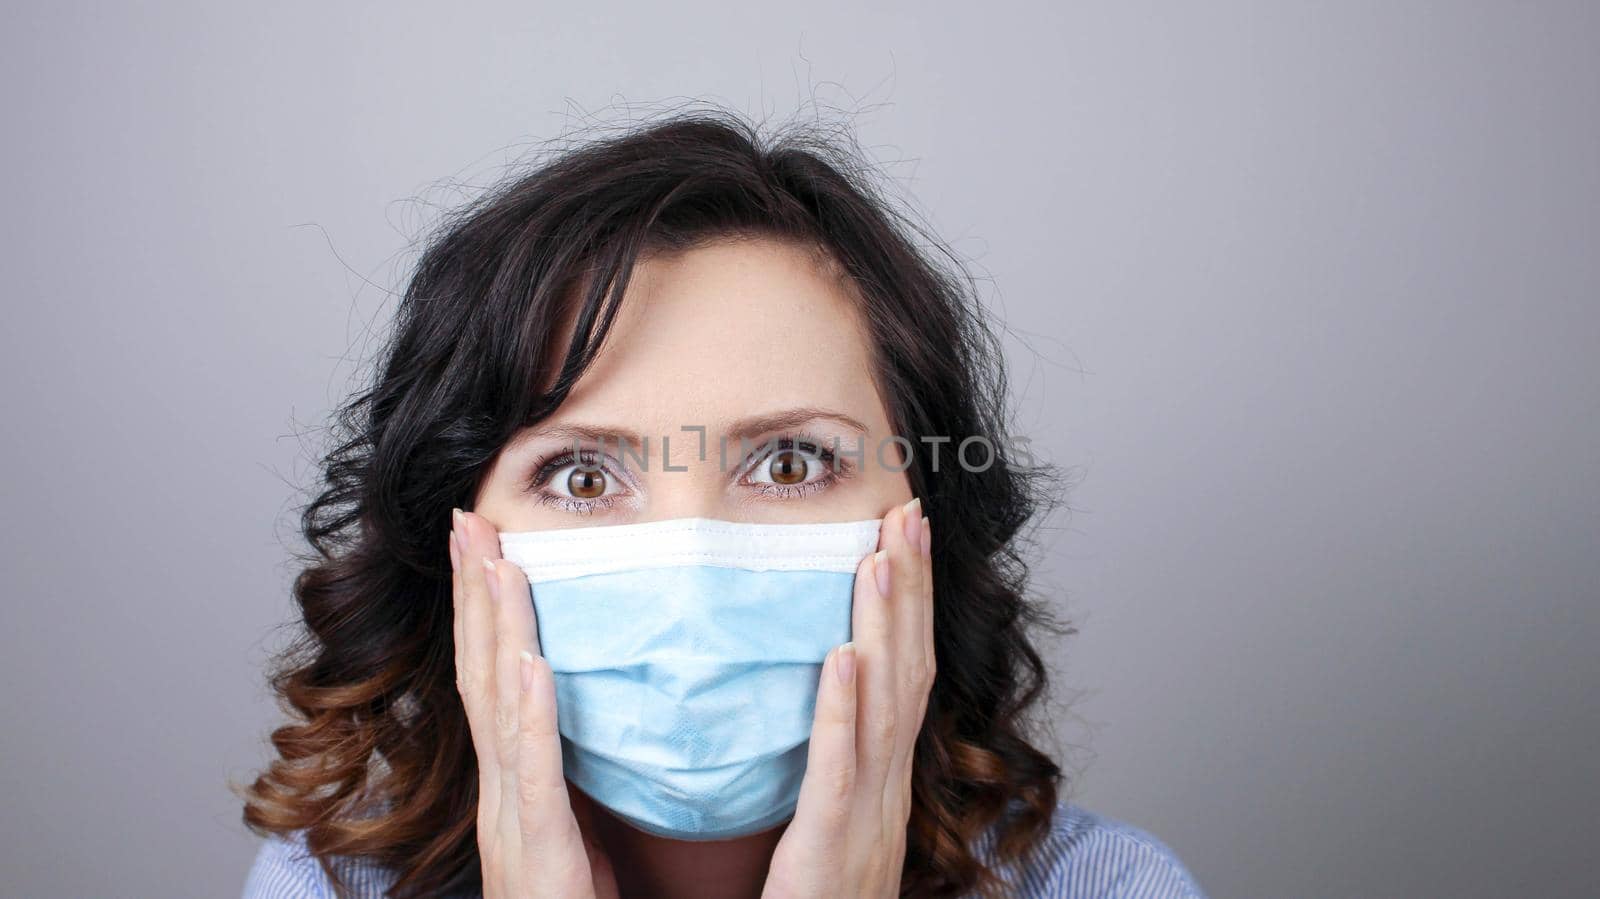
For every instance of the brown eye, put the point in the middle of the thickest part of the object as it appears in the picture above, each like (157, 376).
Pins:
(787, 467)
(586, 484)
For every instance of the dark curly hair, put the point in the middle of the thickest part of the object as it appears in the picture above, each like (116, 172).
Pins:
(378, 762)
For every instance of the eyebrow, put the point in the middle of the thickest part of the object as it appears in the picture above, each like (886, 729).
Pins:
(756, 425)
(597, 434)
(742, 429)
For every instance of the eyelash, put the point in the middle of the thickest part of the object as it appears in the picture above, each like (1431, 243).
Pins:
(546, 468)
(837, 470)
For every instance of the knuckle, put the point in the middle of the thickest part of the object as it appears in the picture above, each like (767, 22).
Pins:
(910, 579)
(505, 719)
(531, 794)
(914, 678)
(535, 731)
(471, 678)
(882, 734)
(840, 782)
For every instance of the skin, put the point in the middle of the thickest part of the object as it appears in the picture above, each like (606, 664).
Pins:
(735, 336)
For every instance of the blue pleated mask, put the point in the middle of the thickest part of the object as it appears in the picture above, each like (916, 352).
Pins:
(686, 656)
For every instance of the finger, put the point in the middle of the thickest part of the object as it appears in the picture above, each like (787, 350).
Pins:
(512, 624)
(909, 608)
(519, 620)
(547, 827)
(497, 814)
(827, 790)
(872, 631)
(928, 645)
(476, 675)
(514, 638)
(509, 644)
(909, 613)
(456, 638)
(474, 668)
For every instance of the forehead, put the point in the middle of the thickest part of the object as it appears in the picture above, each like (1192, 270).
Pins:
(727, 330)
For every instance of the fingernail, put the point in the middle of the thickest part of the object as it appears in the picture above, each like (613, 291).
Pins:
(493, 579)
(458, 520)
(527, 671)
(455, 552)
(927, 540)
(880, 568)
(845, 664)
(914, 521)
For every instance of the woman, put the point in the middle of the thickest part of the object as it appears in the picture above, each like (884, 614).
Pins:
(588, 347)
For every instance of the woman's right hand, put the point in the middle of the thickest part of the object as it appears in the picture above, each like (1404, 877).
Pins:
(529, 840)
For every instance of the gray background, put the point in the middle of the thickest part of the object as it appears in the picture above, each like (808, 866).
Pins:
(1303, 294)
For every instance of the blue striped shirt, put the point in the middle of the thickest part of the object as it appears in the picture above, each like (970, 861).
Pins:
(1084, 856)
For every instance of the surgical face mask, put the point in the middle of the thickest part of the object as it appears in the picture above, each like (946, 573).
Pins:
(686, 656)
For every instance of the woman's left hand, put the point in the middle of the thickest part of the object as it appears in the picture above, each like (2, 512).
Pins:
(848, 834)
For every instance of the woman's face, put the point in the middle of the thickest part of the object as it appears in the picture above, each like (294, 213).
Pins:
(743, 339)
